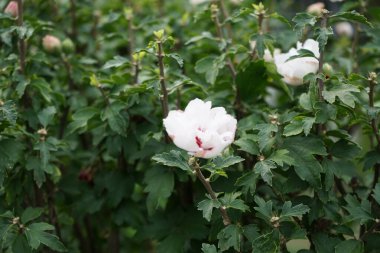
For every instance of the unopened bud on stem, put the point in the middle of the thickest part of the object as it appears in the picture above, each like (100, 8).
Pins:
(12, 9)
(51, 44)
(372, 77)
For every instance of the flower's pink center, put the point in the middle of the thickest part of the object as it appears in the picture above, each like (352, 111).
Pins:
(198, 141)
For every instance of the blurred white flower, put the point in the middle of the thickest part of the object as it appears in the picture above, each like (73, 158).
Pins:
(344, 29)
(196, 2)
(201, 130)
(293, 71)
(316, 8)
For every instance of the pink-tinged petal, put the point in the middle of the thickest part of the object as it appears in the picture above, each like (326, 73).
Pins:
(200, 130)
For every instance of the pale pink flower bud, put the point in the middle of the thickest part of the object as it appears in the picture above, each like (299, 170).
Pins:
(51, 43)
(344, 29)
(316, 8)
(293, 71)
(201, 130)
(12, 9)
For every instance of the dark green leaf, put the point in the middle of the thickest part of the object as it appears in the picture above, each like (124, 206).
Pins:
(229, 237)
(173, 159)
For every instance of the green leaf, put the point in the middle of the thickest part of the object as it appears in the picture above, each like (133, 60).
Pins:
(293, 211)
(322, 36)
(266, 243)
(34, 164)
(209, 66)
(173, 243)
(81, 118)
(230, 200)
(376, 193)
(265, 135)
(349, 16)
(10, 153)
(264, 208)
(301, 54)
(350, 246)
(20, 245)
(343, 92)
(229, 237)
(280, 157)
(44, 154)
(303, 20)
(225, 162)
(247, 145)
(116, 62)
(303, 149)
(208, 248)
(248, 182)
(46, 115)
(298, 125)
(177, 58)
(323, 243)
(173, 159)
(116, 120)
(159, 186)
(264, 168)
(277, 16)
(36, 235)
(358, 211)
(371, 159)
(252, 80)
(8, 112)
(30, 214)
(207, 206)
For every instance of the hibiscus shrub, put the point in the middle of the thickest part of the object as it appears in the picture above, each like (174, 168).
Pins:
(173, 126)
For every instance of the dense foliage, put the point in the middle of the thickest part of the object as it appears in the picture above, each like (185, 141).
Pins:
(86, 164)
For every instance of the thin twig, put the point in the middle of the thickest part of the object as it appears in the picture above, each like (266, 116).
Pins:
(353, 48)
(207, 185)
(164, 91)
(74, 32)
(372, 82)
(321, 85)
(21, 42)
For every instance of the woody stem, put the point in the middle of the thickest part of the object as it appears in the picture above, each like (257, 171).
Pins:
(207, 185)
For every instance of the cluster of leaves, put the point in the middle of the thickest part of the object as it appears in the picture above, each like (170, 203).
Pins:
(84, 165)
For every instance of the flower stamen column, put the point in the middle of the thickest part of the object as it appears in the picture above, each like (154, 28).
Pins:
(206, 183)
